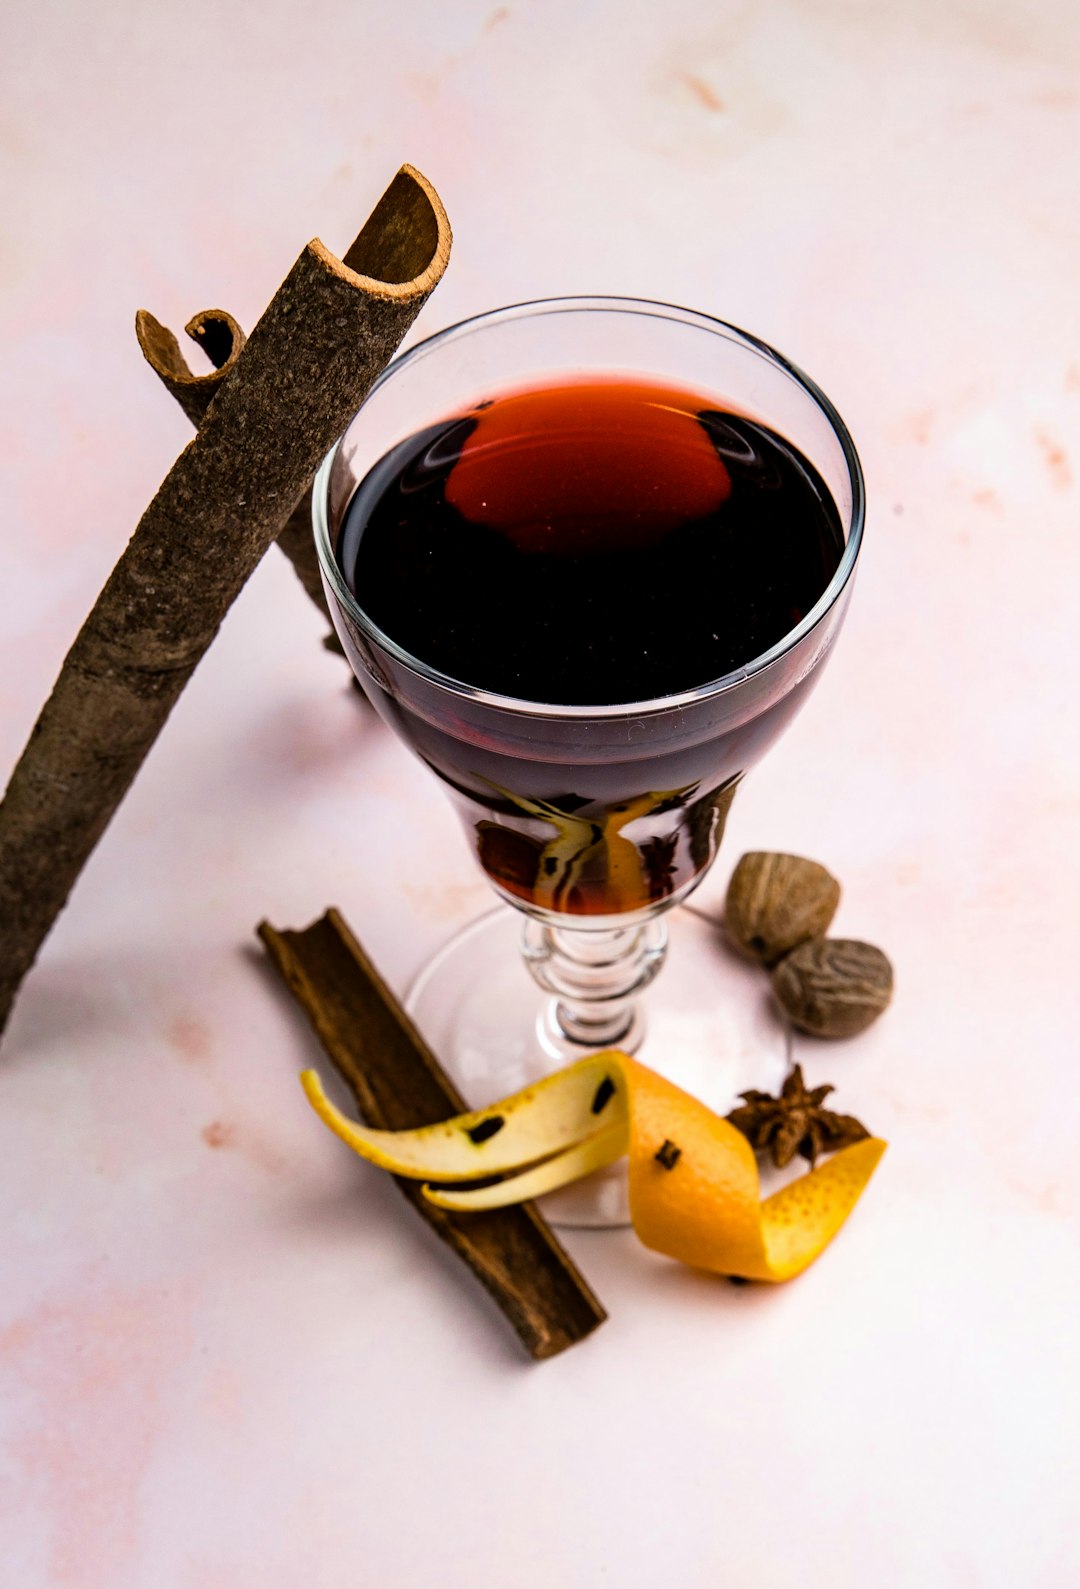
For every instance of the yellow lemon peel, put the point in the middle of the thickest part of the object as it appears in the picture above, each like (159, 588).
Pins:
(695, 1194)
(541, 1120)
(592, 1154)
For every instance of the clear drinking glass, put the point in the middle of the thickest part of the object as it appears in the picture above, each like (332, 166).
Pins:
(555, 799)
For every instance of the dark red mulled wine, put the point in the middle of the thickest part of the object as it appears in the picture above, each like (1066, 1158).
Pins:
(590, 543)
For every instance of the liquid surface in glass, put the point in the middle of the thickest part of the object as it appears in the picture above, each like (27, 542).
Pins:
(590, 543)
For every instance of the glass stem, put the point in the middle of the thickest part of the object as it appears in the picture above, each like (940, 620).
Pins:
(596, 977)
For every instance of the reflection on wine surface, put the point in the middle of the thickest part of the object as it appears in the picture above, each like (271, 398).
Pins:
(587, 557)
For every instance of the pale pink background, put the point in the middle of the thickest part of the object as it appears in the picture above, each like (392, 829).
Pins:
(228, 1356)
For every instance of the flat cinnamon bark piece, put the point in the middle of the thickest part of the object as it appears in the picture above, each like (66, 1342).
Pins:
(398, 1083)
(296, 383)
(218, 334)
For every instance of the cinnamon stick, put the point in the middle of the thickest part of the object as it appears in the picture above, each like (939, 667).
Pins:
(398, 1083)
(218, 334)
(330, 329)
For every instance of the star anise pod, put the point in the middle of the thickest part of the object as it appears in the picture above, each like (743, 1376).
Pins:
(794, 1122)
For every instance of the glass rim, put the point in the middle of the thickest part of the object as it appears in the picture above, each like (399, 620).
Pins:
(519, 705)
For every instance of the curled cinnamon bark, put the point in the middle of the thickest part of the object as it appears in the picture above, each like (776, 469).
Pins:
(221, 339)
(330, 329)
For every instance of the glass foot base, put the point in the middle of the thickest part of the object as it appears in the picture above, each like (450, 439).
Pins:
(710, 1027)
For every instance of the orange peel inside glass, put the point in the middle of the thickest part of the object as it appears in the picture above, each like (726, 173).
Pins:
(694, 1189)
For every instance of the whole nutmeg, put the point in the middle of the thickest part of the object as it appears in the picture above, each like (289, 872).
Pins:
(834, 987)
(777, 901)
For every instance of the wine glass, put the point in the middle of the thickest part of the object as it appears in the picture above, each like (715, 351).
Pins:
(593, 821)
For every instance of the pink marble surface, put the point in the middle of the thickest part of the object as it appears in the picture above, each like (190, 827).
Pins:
(227, 1356)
